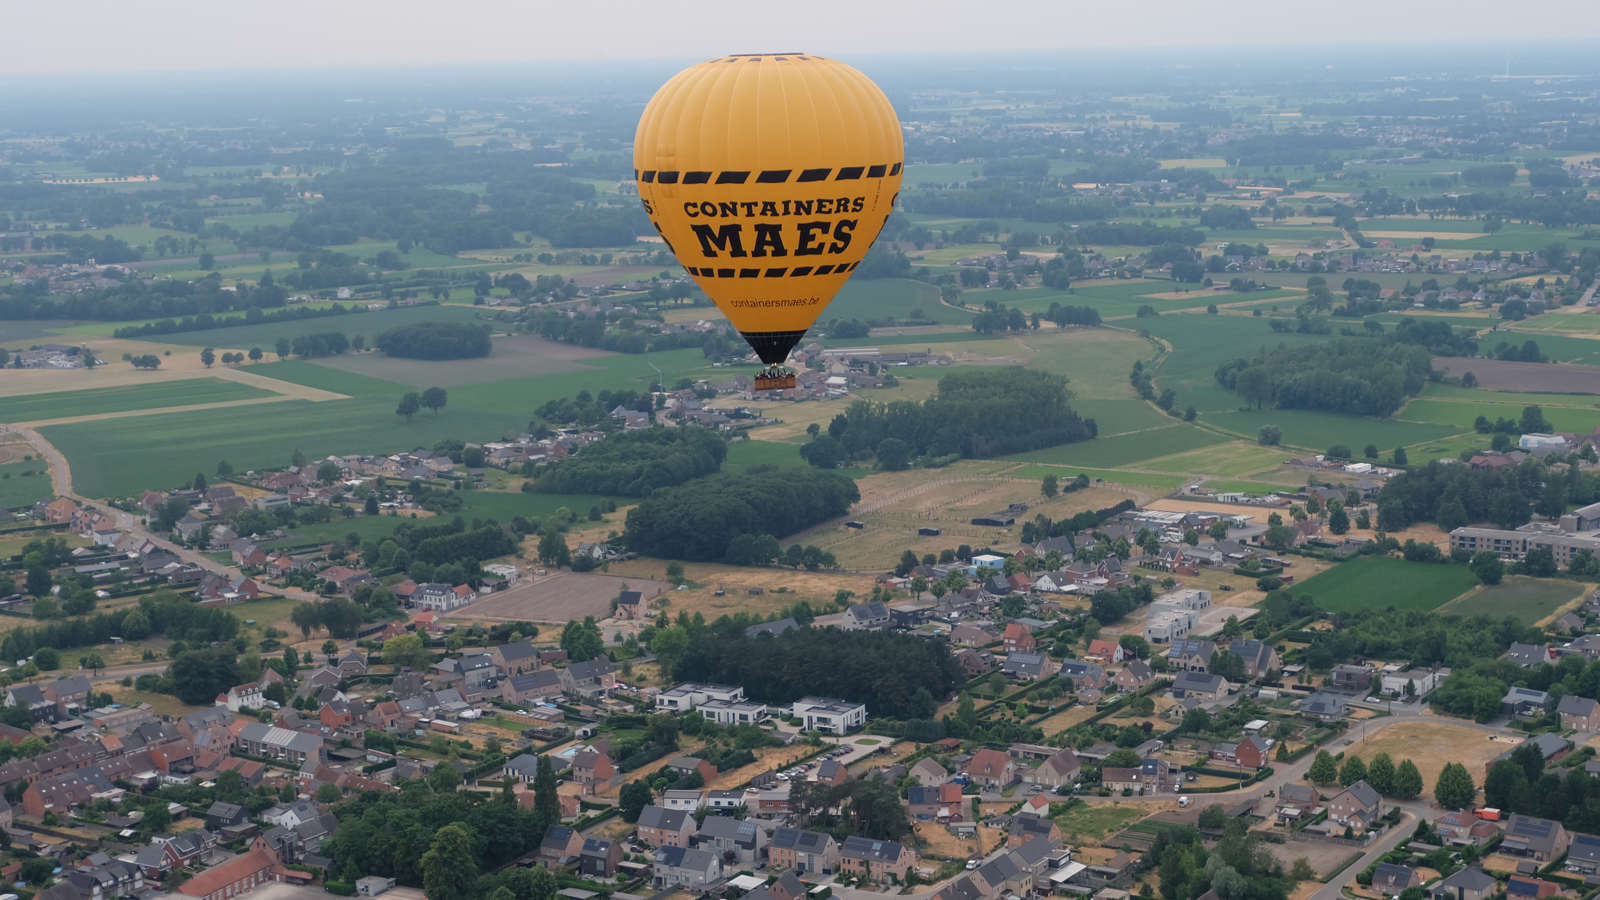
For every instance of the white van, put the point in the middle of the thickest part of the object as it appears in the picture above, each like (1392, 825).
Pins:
(1183, 802)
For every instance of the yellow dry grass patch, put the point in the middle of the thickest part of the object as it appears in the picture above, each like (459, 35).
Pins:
(941, 844)
(1429, 745)
(1061, 721)
(736, 582)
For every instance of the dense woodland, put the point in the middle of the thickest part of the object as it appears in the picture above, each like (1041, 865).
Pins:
(974, 415)
(895, 675)
(1349, 375)
(699, 520)
(436, 340)
(635, 463)
(1455, 495)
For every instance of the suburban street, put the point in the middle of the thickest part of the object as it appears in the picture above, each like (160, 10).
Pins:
(61, 474)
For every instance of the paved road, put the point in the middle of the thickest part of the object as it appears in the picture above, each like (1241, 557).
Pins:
(62, 475)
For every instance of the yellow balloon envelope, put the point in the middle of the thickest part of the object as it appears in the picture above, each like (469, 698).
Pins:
(769, 176)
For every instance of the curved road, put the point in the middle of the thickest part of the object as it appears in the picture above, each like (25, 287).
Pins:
(61, 474)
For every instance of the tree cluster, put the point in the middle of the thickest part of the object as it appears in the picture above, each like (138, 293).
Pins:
(699, 519)
(1348, 375)
(635, 463)
(436, 340)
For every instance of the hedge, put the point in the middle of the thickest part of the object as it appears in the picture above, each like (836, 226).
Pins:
(342, 888)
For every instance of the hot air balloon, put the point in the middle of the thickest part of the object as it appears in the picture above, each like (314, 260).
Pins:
(769, 176)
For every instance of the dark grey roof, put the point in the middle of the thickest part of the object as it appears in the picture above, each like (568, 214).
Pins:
(774, 628)
(1573, 705)
(1203, 682)
(798, 839)
(1470, 878)
(1365, 794)
(663, 818)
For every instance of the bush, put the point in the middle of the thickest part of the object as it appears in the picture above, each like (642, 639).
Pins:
(342, 888)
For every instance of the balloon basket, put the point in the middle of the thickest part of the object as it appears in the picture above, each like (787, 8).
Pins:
(774, 379)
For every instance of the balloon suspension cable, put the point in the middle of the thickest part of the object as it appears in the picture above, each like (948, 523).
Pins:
(774, 378)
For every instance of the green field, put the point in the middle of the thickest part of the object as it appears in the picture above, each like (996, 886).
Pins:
(1437, 391)
(1320, 430)
(1235, 458)
(326, 378)
(1529, 599)
(1200, 343)
(747, 455)
(1568, 347)
(1462, 414)
(1124, 450)
(881, 298)
(111, 459)
(17, 490)
(63, 404)
(365, 323)
(1375, 582)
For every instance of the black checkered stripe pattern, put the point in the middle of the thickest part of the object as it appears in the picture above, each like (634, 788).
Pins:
(795, 272)
(769, 176)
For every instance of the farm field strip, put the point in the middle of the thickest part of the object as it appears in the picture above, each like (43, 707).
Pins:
(95, 401)
(1372, 582)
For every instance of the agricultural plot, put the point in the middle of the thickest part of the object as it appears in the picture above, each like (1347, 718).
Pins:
(64, 404)
(1124, 450)
(110, 459)
(884, 297)
(309, 374)
(1501, 375)
(1236, 458)
(519, 397)
(1372, 582)
(1200, 343)
(1318, 431)
(1566, 347)
(1122, 416)
(558, 598)
(1439, 391)
(1091, 823)
(364, 322)
(1462, 414)
(19, 491)
(512, 357)
(1067, 473)
(1531, 600)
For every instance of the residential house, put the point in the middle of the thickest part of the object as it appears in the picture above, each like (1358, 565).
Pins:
(662, 827)
(682, 766)
(1296, 801)
(1133, 676)
(1259, 656)
(1357, 806)
(560, 847)
(257, 739)
(1323, 705)
(532, 687)
(1392, 878)
(221, 815)
(865, 617)
(593, 678)
(991, 769)
(242, 696)
(680, 867)
(803, 851)
(929, 773)
(590, 765)
(1540, 840)
(1025, 829)
(1468, 883)
(599, 857)
(1519, 887)
(1150, 776)
(1352, 677)
(1060, 769)
(1203, 687)
(1579, 713)
(516, 659)
(240, 875)
(1462, 828)
(1104, 652)
(1190, 656)
(832, 772)
(1026, 666)
(688, 798)
(1018, 639)
(975, 662)
(524, 767)
(1550, 745)
(1529, 655)
(883, 862)
(630, 606)
(774, 628)
(829, 715)
(1584, 854)
(1250, 753)
(970, 636)
(944, 803)
(1086, 676)
(731, 839)
(1521, 702)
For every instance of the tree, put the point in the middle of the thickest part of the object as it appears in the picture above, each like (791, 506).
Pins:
(1324, 771)
(1122, 759)
(48, 659)
(1354, 770)
(435, 398)
(1486, 564)
(545, 802)
(635, 796)
(1408, 781)
(1050, 485)
(256, 354)
(582, 640)
(38, 582)
(1399, 456)
(282, 347)
(1454, 789)
(328, 792)
(894, 455)
(1269, 435)
(328, 473)
(409, 404)
(307, 617)
(1339, 521)
(1380, 774)
(207, 357)
(407, 650)
(135, 626)
(449, 868)
(553, 550)
(200, 481)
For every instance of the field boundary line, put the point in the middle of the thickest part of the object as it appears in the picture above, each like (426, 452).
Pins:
(132, 413)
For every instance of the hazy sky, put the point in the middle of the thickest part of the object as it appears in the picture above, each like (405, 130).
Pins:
(163, 35)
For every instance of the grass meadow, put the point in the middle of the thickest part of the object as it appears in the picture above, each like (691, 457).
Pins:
(1532, 600)
(18, 490)
(368, 323)
(1314, 430)
(1372, 582)
(1124, 450)
(63, 404)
